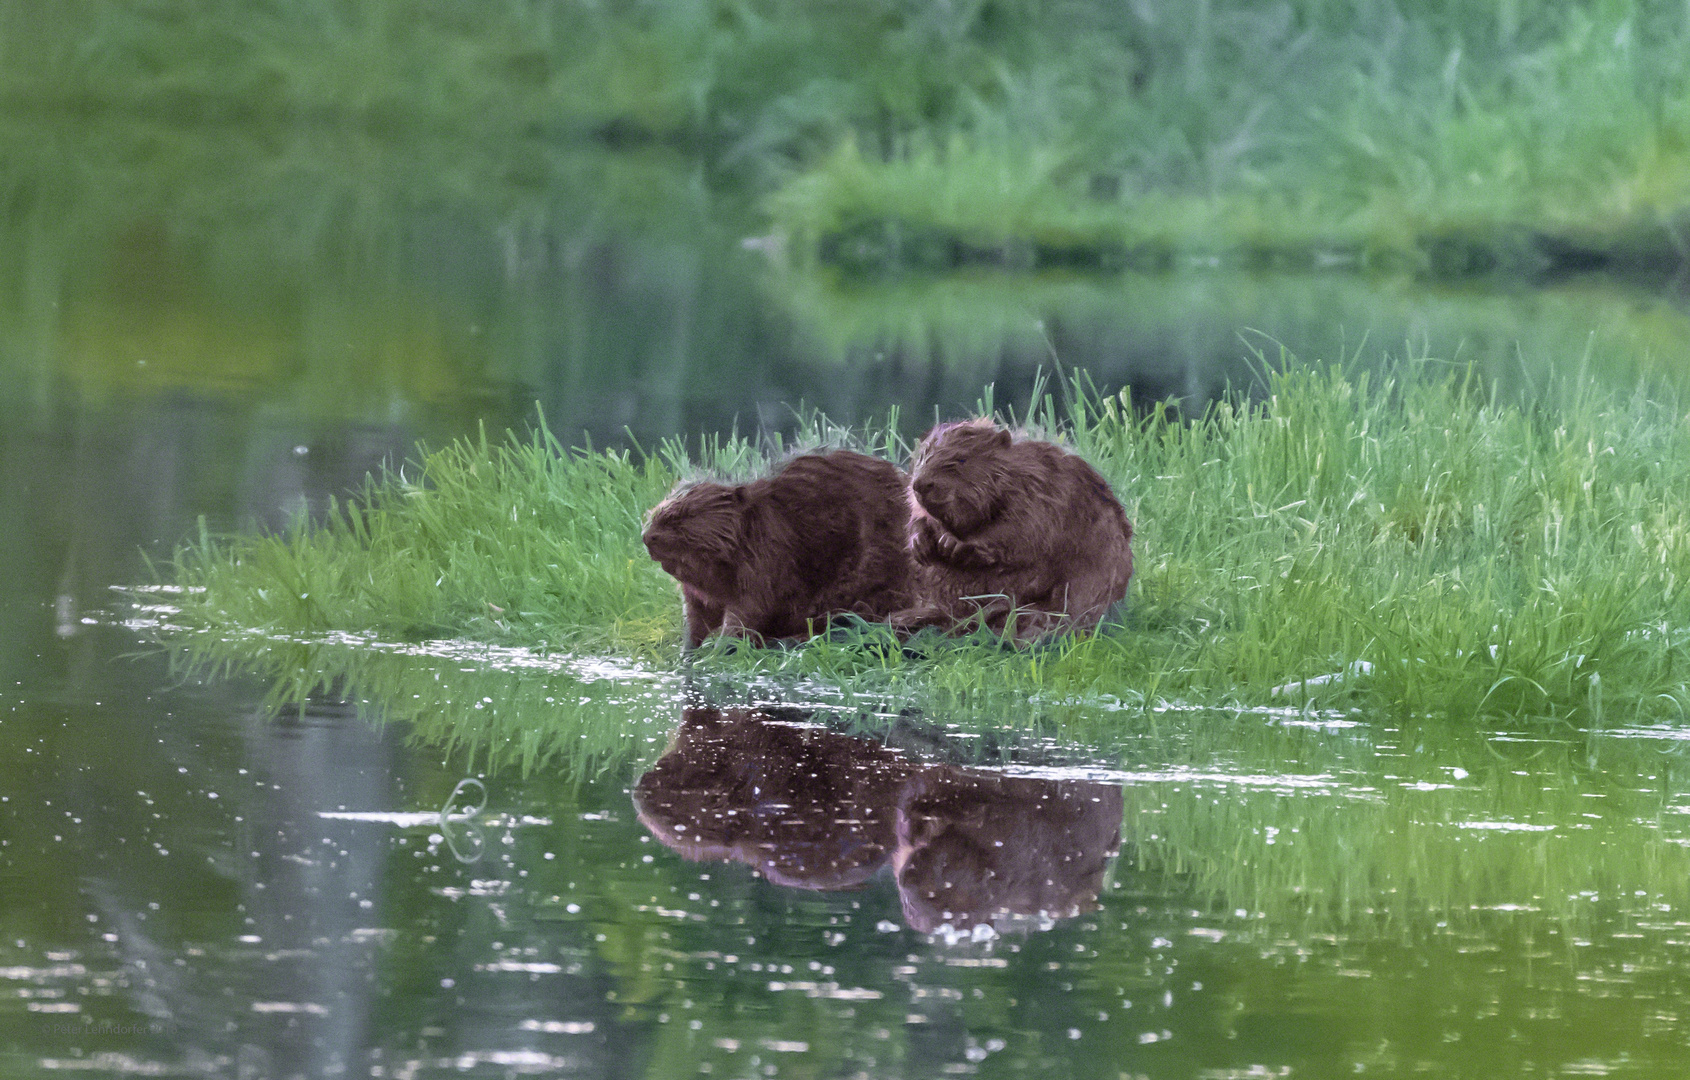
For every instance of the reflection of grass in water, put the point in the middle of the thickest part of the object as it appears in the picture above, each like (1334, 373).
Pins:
(1352, 824)
(1192, 321)
(146, 259)
(484, 707)
(1483, 556)
(1398, 827)
(317, 263)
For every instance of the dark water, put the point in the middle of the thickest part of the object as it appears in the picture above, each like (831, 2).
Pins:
(236, 327)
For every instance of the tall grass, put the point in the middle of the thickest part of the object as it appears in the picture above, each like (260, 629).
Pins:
(1445, 139)
(1485, 557)
(1443, 135)
(495, 541)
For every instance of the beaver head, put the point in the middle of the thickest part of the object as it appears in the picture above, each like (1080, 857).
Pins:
(957, 474)
(694, 535)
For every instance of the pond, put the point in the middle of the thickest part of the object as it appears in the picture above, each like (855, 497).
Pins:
(206, 871)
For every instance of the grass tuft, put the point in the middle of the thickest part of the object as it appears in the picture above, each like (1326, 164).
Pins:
(487, 540)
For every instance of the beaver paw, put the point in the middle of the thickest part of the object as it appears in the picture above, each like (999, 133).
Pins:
(924, 540)
(965, 553)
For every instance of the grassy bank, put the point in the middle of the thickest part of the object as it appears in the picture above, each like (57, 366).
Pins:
(1451, 139)
(968, 205)
(1484, 557)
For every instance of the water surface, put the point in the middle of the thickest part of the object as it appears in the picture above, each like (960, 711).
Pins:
(195, 883)
(203, 875)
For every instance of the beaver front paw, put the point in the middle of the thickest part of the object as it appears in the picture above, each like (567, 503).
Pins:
(925, 539)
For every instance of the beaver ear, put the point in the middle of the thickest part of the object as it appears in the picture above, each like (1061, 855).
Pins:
(1002, 437)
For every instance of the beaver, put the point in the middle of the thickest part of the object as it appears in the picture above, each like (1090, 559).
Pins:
(824, 534)
(1013, 533)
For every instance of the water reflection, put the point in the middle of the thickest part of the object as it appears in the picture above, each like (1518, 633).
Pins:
(177, 863)
(814, 809)
(230, 879)
(85, 492)
(311, 279)
(976, 847)
(804, 807)
(1292, 896)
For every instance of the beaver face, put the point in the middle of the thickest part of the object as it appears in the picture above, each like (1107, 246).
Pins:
(957, 474)
(693, 533)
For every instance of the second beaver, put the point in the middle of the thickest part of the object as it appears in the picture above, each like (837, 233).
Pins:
(824, 534)
(1015, 533)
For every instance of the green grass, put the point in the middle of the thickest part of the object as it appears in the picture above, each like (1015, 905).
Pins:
(1447, 138)
(1488, 558)
(493, 541)
(966, 202)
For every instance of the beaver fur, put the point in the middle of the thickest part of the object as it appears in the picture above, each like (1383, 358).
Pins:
(824, 534)
(1014, 533)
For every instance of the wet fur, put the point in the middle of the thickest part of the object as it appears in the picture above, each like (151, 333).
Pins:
(1016, 534)
(825, 534)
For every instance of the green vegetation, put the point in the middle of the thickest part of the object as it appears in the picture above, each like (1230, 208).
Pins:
(405, 215)
(482, 538)
(1483, 556)
(1450, 139)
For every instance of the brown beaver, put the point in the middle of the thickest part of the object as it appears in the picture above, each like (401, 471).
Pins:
(1013, 528)
(824, 534)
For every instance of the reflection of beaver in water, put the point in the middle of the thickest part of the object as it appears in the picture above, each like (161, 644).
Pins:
(804, 807)
(814, 809)
(1025, 523)
(978, 847)
(825, 534)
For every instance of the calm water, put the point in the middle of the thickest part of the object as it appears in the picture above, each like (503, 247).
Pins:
(200, 878)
